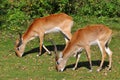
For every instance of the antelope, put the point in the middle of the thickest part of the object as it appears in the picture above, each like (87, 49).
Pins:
(97, 34)
(53, 23)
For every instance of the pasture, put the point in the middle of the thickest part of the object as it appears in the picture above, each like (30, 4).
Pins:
(31, 67)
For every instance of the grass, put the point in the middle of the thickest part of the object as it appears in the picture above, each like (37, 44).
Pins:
(31, 67)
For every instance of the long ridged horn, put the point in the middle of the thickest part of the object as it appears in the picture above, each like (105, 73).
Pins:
(20, 40)
(55, 49)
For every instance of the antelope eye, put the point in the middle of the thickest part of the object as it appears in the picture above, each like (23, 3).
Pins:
(18, 48)
(57, 63)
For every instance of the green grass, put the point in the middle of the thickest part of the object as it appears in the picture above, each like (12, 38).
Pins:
(31, 67)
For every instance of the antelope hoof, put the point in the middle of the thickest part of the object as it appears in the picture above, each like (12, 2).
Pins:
(38, 54)
(90, 70)
(75, 55)
(109, 68)
(98, 70)
(49, 53)
(74, 68)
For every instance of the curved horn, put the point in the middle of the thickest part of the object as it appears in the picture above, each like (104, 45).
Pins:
(20, 40)
(20, 35)
(55, 49)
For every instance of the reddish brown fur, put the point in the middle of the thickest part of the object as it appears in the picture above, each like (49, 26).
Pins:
(79, 36)
(40, 26)
(83, 39)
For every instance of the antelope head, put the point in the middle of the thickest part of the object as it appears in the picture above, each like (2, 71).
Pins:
(60, 62)
(19, 46)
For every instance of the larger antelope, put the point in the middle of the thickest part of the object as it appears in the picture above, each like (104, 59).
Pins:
(83, 39)
(56, 22)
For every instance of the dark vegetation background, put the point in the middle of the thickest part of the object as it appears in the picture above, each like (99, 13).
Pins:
(16, 13)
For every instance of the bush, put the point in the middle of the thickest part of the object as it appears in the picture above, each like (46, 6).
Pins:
(16, 13)
(12, 15)
(109, 8)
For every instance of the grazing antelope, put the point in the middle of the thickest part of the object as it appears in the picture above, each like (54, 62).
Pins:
(83, 39)
(54, 23)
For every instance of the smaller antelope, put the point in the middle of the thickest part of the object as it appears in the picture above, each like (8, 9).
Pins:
(54, 23)
(83, 39)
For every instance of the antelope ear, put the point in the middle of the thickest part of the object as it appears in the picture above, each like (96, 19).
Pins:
(60, 55)
(56, 57)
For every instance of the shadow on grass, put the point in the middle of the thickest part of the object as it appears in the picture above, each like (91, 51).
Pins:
(86, 64)
(60, 48)
(50, 48)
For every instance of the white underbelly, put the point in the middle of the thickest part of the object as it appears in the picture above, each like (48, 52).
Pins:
(56, 29)
(94, 42)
